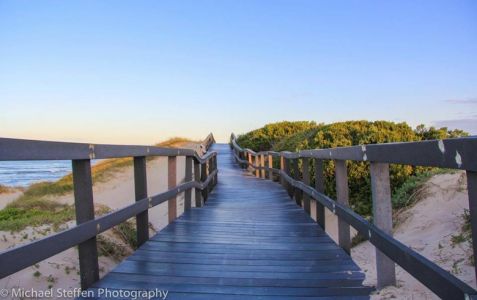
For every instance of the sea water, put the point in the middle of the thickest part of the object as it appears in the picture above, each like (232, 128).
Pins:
(24, 173)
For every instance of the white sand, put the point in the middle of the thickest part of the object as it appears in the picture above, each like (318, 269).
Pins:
(427, 227)
(6, 198)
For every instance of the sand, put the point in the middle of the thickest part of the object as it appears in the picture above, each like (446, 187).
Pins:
(427, 227)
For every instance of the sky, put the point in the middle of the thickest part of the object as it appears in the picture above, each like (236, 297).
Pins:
(139, 72)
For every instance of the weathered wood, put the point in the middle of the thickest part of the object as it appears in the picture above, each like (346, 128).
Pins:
(342, 197)
(283, 182)
(172, 182)
(306, 180)
(273, 251)
(250, 159)
(382, 218)
(84, 207)
(287, 171)
(297, 176)
(270, 167)
(198, 194)
(140, 192)
(188, 177)
(320, 187)
(472, 192)
(257, 164)
(262, 164)
(203, 176)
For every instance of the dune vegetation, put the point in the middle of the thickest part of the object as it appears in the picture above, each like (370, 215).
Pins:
(295, 136)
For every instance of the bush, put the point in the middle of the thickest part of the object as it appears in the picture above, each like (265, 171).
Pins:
(344, 134)
(264, 138)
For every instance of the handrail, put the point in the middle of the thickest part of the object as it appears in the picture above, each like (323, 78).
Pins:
(87, 228)
(438, 280)
(21, 149)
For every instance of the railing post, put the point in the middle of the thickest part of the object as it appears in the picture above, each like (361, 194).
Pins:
(188, 177)
(320, 187)
(262, 164)
(171, 183)
(198, 194)
(306, 180)
(383, 219)
(296, 175)
(472, 192)
(140, 191)
(342, 195)
(287, 171)
(203, 177)
(250, 161)
(270, 167)
(282, 168)
(257, 164)
(84, 206)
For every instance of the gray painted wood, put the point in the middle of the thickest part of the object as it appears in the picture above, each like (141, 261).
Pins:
(188, 177)
(171, 183)
(140, 192)
(342, 197)
(84, 205)
(198, 194)
(382, 218)
(319, 187)
(306, 180)
(472, 192)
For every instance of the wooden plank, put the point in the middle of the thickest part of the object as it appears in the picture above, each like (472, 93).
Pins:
(262, 164)
(188, 177)
(472, 192)
(306, 180)
(342, 197)
(198, 194)
(203, 176)
(297, 194)
(257, 164)
(84, 207)
(320, 188)
(171, 183)
(382, 218)
(270, 167)
(140, 192)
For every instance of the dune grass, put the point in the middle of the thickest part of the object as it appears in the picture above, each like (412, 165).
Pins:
(35, 207)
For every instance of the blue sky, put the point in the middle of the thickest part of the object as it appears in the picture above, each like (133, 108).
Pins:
(138, 72)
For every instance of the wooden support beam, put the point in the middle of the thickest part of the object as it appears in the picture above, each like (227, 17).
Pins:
(287, 171)
(84, 206)
(198, 194)
(188, 177)
(342, 195)
(257, 164)
(270, 167)
(140, 192)
(320, 187)
(383, 219)
(172, 182)
(203, 177)
(262, 164)
(472, 192)
(297, 194)
(283, 182)
(306, 180)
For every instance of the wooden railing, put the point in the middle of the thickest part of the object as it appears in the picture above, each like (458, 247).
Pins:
(88, 227)
(460, 153)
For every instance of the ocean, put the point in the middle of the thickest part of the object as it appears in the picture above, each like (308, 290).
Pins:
(24, 173)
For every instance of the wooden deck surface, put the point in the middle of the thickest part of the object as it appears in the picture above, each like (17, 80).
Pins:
(250, 241)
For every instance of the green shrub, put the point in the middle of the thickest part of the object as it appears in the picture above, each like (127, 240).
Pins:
(264, 138)
(341, 134)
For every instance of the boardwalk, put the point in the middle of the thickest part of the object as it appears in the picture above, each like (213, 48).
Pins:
(250, 241)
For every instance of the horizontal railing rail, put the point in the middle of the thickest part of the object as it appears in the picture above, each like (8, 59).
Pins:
(460, 153)
(88, 227)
